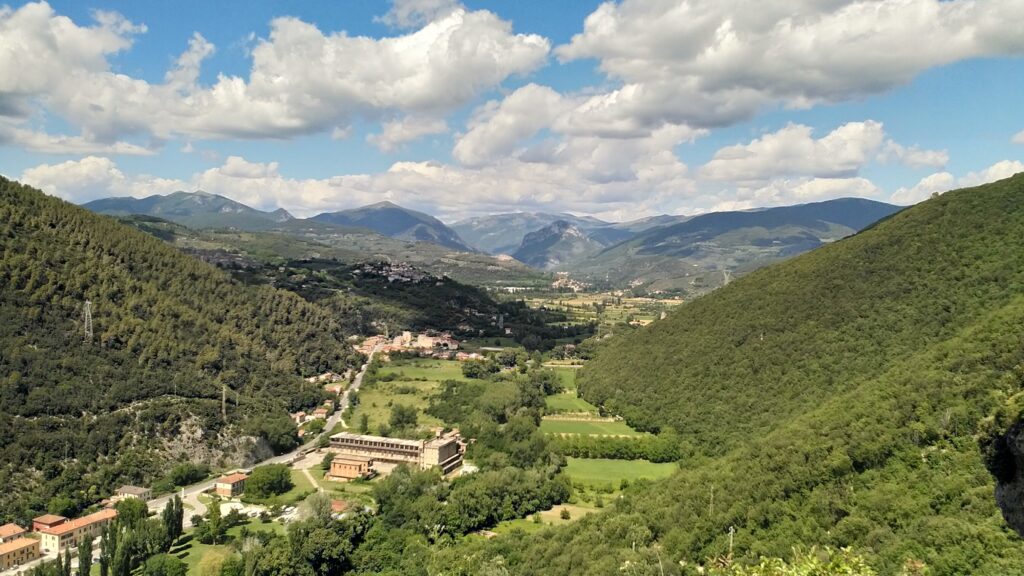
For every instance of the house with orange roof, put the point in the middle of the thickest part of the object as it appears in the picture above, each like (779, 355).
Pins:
(47, 521)
(17, 552)
(71, 533)
(10, 532)
(231, 485)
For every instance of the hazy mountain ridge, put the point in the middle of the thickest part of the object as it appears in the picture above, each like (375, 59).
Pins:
(555, 245)
(193, 209)
(705, 251)
(395, 221)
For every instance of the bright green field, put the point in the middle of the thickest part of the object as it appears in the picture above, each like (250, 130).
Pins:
(600, 471)
(434, 370)
(617, 428)
(415, 381)
(567, 376)
(569, 403)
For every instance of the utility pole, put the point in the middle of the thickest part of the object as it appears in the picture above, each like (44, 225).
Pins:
(732, 532)
(87, 318)
(711, 504)
(224, 401)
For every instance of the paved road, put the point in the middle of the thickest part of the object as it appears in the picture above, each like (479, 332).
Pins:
(190, 493)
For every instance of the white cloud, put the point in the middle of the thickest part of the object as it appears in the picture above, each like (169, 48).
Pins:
(496, 129)
(710, 63)
(932, 184)
(793, 151)
(1018, 138)
(302, 80)
(943, 181)
(95, 177)
(397, 132)
(35, 141)
(913, 156)
(997, 171)
(410, 13)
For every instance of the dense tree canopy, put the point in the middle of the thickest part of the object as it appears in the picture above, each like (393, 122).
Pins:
(173, 337)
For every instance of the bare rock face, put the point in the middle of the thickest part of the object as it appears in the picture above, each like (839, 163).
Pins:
(228, 448)
(1005, 460)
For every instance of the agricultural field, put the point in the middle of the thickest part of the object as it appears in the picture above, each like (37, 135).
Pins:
(566, 375)
(604, 472)
(588, 427)
(405, 382)
(568, 402)
(604, 307)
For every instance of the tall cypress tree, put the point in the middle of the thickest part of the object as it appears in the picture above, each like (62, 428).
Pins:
(85, 557)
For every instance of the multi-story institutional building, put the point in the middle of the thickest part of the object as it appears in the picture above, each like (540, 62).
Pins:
(71, 533)
(345, 467)
(17, 552)
(443, 451)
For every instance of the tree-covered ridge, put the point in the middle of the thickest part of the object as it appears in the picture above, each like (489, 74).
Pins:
(851, 423)
(171, 335)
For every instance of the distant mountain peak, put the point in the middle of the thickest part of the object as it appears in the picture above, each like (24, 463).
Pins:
(387, 218)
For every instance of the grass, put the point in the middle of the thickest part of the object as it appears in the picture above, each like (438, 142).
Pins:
(552, 517)
(301, 489)
(192, 552)
(586, 427)
(569, 403)
(414, 383)
(601, 472)
(567, 376)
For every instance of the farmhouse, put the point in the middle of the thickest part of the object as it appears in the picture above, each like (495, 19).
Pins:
(17, 552)
(231, 485)
(71, 533)
(125, 492)
(443, 451)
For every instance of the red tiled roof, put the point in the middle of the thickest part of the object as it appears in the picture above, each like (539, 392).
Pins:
(49, 519)
(82, 522)
(8, 530)
(14, 545)
(232, 478)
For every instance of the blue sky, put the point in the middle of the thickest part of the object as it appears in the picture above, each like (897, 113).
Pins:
(619, 110)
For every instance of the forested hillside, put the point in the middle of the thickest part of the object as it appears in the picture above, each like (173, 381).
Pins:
(171, 333)
(833, 400)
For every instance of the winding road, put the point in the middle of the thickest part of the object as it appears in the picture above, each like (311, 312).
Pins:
(190, 494)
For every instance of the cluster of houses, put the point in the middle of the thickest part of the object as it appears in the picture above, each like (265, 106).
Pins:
(440, 346)
(320, 413)
(400, 272)
(51, 534)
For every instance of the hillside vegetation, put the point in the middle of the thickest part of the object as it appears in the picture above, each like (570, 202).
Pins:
(171, 333)
(831, 400)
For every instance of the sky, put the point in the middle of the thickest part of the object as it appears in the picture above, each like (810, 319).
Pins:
(619, 110)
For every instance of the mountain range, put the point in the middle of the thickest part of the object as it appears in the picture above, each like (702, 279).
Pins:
(193, 209)
(663, 253)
